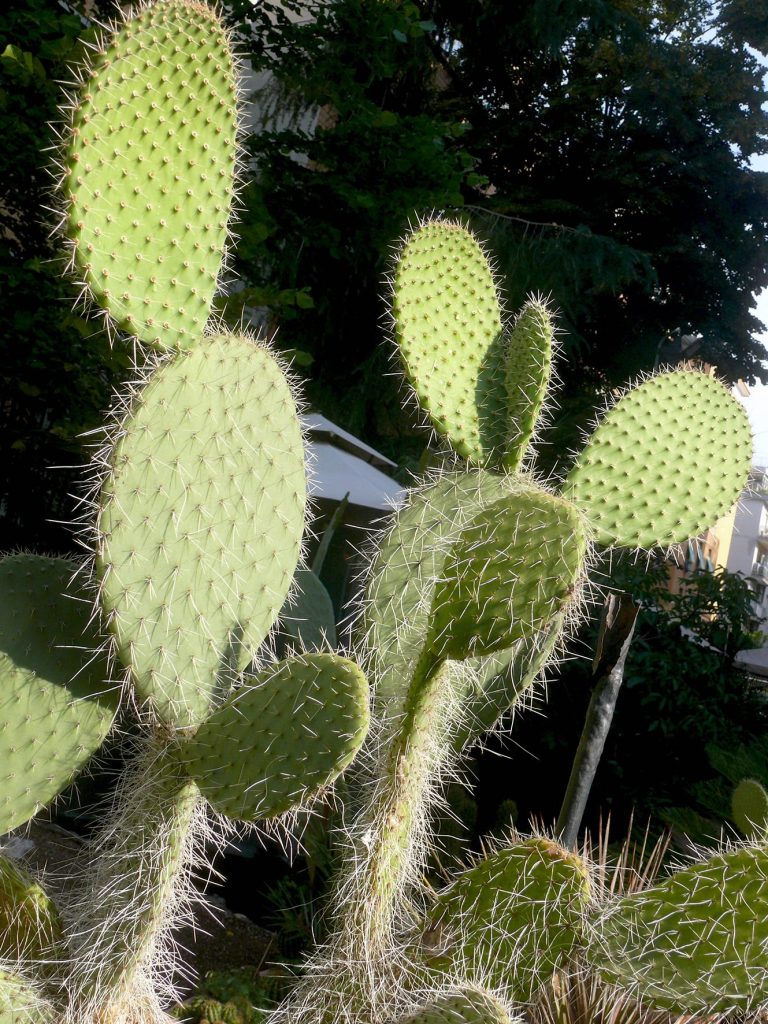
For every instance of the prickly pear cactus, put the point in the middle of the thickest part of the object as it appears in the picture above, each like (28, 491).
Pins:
(536, 884)
(749, 807)
(462, 1006)
(695, 943)
(197, 537)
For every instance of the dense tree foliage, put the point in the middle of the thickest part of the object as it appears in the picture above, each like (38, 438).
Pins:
(57, 367)
(601, 146)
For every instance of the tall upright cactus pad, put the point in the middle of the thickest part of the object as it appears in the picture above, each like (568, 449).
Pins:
(647, 477)
(449, 329)
(528, 367)
(695, 943)
(30, 926)
(278, 742)
(511, 571)
(514, 918)
(749, 807)
(406, 568)
(465, 1005)
(201, 522)
(55, 704)
(150, 170)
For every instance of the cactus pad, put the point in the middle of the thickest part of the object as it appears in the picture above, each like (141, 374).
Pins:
(201, 521)
(509, 574)
(407, 566)
(462, 1006)
(665, 463)
(30, 925)
(308, 619)
(20, 1002)
(282, 739)
(514, 917)
(528, 368)
(448, 326)
(55, 706)
(150, 168)
(749, 807)
(696, 942)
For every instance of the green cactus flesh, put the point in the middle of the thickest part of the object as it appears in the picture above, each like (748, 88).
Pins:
(491, 685)
(30, 926)
(406, 567)
(150, 169)
(696, 942)
(509, 574)
(201, 521)
(20, 1002)
(134, 887)
(55, 706)
(513, 918)
(528, 368)
(749, 807)
(278, 742)
(307, 617)
(448, 326)
(647, 476)
(461, 1006)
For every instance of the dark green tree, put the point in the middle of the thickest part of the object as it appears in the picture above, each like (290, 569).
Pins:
(56, 367)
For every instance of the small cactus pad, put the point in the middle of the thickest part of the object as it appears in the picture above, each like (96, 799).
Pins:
(509, 574)
(20, 1001)
(407, 565)
(201, 521)
(55, 706)
(461, 1006)
(307, 618)
(278, 742)
(150, 168)
(514, 917)
(30, 926)
(528, 368)
(749, 807)
(448, 326)
(666, 462)
(696, 942)
(493, 684)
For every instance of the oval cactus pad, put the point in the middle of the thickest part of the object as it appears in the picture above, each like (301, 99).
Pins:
(150, 170)
(21, 1002)
(696, 942)
(55, 704)
(666, 462)
(514, 917)
(201, 521)
(282, 739)
(448, 326)
(509, 574)
(462, 1006)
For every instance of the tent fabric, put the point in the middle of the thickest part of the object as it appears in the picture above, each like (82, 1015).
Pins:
(334, 472)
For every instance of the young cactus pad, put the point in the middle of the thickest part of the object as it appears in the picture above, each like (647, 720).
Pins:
(55, 706)
(641, 480)
(462, 1006)
(696, 942)
(150, 170)
(448, 327)
(514, 917)
(276, 743)
(749, 807)
(201, 521)
(30, 925)
(20, 1001)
